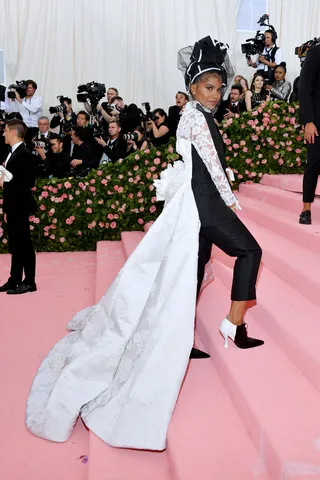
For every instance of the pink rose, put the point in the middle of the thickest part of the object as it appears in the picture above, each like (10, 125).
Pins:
(164, 165)
(92, 180)
(99, 172)
(44, 194)
(228, 141)
(248, 160)
(156, 161)
(146, 162)
(113, 225)
(137, 157)
(79, 233)
(152, 209)
(89, 201)
(42, 207)
(52, 236)
(141, 209)
(151, 188)
(240, 176)
(67, 185)
(280, 161)
(276, 156)
(89, 210)
(120, 189)
(54, 220)
(275, 105)
(242, 142)
(148, 175)
(264, 161)
(242, 125)
(104, 181)
(131, 194)
(135, 168)
(170, 150)
(130, 180)
(245, 149)
(140, 221)
(298, 150)
(254, 137)
(258, 147)
(141, 200)
(110, 216)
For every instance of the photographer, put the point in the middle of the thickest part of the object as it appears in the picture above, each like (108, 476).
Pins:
(159, 127)
(111, 93)
(141, 142)
(128, 115)
(82, 155)
(30, 109)
(270, 58)
(233, 106)
(64, 118)
(39, 143)
(115, 147)
(56, 160)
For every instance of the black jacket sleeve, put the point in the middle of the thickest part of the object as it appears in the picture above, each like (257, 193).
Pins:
(55, 121)
(308, 84)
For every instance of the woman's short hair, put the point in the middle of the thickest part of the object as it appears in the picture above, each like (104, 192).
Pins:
(140, 129)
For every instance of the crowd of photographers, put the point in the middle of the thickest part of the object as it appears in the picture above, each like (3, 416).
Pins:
(107, 129)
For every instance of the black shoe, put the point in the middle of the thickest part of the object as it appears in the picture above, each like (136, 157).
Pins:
(22, 288)
(243, 341)
(195, 353)
(305, 217)
(7, 286)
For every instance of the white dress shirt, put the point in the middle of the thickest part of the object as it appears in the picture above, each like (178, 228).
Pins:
(13, 148)
(31, 109)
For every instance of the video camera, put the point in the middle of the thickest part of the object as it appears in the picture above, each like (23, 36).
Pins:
(255, 45)
(20, 87)
(302, 50)
(91, 91)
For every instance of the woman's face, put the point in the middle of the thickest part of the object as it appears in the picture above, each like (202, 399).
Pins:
(258, 82)
(139, 135)
(181, 100)
(207, 91)
(243, 84)
(159, 119)
(279, 74)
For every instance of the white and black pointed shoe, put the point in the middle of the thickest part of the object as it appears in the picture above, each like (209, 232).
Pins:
(238, 334)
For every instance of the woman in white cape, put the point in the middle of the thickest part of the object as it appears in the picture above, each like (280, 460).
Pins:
(122, 366)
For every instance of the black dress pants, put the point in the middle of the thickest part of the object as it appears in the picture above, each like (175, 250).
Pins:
(23, 257)
(311, 171)
(235, 240)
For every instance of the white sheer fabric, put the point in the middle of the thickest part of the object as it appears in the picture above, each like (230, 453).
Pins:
(122, 367)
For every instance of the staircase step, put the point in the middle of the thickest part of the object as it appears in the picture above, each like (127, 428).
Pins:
(130, 240)
(288, 201)
(291, 320)
(291, 182)
(295, 264)
(203, 423)
(281, 222)
(277, 404)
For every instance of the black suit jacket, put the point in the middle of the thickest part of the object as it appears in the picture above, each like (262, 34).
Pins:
(309, 88)
(174, 119)
(17, 194)
(211, 207)
(129, 118)
(57, 164)
(117, 150)
(85, 153)
(227, 105)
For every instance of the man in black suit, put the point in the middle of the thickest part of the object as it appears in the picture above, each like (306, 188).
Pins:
(18, 204)
(115, 147)
(82, 155)
(309, 96)
(233, 106)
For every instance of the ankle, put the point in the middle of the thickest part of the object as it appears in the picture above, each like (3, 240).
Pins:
(234, 320)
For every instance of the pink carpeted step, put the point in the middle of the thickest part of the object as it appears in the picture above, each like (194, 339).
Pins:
(107, 463)
(291, 320)
(295, 264)
(281, 222)
(287, 201)
(30, 325)
(291, 182)
(206, 438)
(277, 404)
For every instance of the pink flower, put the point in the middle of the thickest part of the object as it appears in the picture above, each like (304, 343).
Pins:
(164, 165)
(280, 161)
(170, 150)
(155, 176)
(115, 216)
(130, 180)
(99, 172)
(113, 225)
(141, 200)
(258, 147)
(254, 137)
(116, 187)
(104, 181)
(42, 207)
(264, 161)
(141, 209)
(79, 233)
(274, 128)
(113, 206)
(36, 220)
(291, 110)
(137, 157)
(298, 150)
(148, 175)
(44, 194)
(92, 189)
(92, 225)
(110, 216)
(92, 180)
(89, 210)
(89, 202)
(275, 105)
(67, 185)
(120, 189)
(276, 156)
(54, 220)
(101, 224)
(139, 194)
(131, 194)
(248, 160)
(146, 162)
(235, 146)
(228, 141)
(100, 202)
(240, 176)
(135, 168)
(140, 221)
(152, 209)
(52, 236)
(293, 121)
(156, 161)
(289, 149)
(245, 149)
(151, 188)
(242, 142)
(70, 197)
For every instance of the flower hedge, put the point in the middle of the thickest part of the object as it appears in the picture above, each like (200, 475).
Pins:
(74, 214)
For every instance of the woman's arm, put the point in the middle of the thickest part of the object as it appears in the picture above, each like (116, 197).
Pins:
(282, 94)
(159, 132)
(247, 98)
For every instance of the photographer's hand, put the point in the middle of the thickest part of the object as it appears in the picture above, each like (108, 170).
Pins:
(249, 61)
(41, 152)
(75, 163)
(101, 141)
(18, 97)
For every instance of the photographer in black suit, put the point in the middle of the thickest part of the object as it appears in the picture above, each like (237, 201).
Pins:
(82, 155)
(309, 96)
(18, 204)
(115, 147)
(56, 160)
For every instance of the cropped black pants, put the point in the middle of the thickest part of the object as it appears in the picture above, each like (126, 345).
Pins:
(235, 240)
(311, 171)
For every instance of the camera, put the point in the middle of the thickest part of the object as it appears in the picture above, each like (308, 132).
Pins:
(59, 108)
(130, 136)
(302, 50)
(149, 115)
(99, 131)
(20, 87)
(256, 44)
(92, 91)
(41, 141)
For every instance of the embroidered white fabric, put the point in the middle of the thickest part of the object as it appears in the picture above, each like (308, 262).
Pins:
(122, 366)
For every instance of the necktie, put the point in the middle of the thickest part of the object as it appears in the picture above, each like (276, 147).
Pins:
(234, 105)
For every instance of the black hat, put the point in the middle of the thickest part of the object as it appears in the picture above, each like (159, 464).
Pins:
(206, 55)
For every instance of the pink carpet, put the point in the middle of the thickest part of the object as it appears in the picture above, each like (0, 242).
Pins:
(242, 415)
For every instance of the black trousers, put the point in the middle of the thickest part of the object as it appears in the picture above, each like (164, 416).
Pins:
(311, 171)
(23, 257)
(235, 240)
